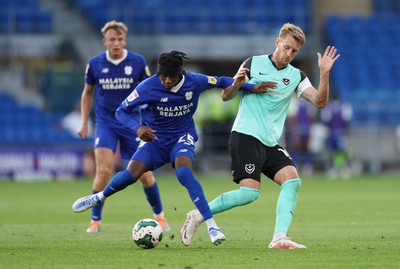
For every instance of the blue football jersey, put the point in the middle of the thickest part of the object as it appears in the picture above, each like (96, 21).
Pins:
(114, 82)
(169, 112)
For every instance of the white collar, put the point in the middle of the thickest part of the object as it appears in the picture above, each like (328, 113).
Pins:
(117, 61)
(179, 85)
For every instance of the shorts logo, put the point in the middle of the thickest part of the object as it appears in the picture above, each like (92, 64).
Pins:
(249, 168)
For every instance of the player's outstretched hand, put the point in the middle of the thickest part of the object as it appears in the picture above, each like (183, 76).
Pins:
(326, 61)
(264, 87)
(146, 133)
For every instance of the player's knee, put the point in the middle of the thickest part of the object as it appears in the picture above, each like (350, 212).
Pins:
(249, 195)
(293, 184)
(183, 174)
(147, 179)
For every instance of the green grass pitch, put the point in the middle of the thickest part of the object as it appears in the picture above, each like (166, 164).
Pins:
(344, 223)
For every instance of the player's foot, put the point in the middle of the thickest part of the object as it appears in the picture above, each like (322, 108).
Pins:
(285, 243)
(190, 227)
(216, 236)
(84, 203)
(94, 226)
(164, 224)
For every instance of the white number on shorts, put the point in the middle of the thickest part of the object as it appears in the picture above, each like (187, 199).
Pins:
(187, 139)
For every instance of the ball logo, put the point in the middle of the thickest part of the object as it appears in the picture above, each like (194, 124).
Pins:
(249, 168)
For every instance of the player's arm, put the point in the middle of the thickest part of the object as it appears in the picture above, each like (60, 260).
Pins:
(239, 84)
(86, 107)
(319, 98)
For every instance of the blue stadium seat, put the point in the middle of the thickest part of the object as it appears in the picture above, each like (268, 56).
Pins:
(5, 22)
(25, 21)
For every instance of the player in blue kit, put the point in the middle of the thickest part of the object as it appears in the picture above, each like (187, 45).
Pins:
(171, 99)
(259, 123)
(112, 76)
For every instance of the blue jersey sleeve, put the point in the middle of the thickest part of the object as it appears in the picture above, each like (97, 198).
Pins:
(128, 113)
(145, 71)
(89, 76)
(129, 116)
(209, 82)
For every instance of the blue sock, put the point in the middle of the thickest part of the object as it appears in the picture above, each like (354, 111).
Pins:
(120, 181)
(153, 196)
(96, 210)
(186, 178)
(286, 204)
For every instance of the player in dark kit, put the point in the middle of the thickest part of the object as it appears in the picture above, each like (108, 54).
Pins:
(111, 76)
(171, 99)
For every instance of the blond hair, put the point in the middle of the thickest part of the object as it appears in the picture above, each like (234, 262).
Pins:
(119, 27)
(293, 30)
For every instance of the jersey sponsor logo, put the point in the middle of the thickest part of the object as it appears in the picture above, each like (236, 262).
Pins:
(104, 70)
(286, 81)
(116, 83)
(249, 168)
(212, 80)
(132, 96)
(174, 111)
(164, 100)
(128, 70)
(189, 95)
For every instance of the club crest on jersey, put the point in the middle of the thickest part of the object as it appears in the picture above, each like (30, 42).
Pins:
(286, 81)
(189, 95)
(128, 70)
(249, 168)
(132, 96)
(212, 80)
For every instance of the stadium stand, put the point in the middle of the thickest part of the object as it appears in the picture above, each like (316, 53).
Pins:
(24, 17)
(22, 124)
(216, 17)
(366, 75)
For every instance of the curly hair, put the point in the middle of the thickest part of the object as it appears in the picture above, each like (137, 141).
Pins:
(171, 63)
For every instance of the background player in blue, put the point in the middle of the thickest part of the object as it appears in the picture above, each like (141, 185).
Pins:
(168, 127)
(259, 123)
(113, 75)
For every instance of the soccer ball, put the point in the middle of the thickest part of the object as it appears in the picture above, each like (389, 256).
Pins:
(147, 233)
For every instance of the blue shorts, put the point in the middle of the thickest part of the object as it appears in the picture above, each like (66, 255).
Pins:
(157, 153)
(108, 137)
